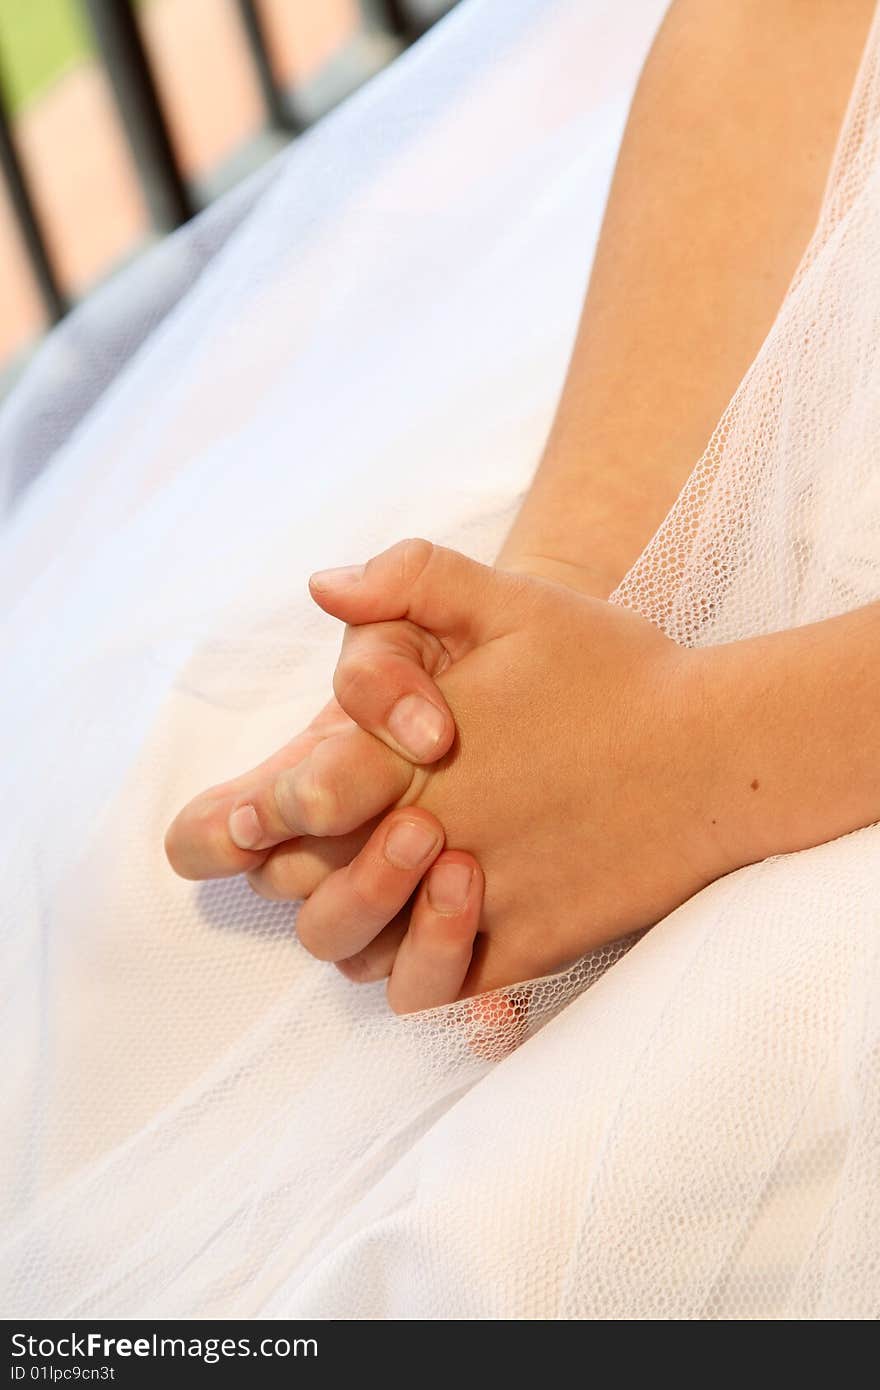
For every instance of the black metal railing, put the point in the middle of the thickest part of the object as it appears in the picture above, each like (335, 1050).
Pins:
(120, 48)
(28, 222)
(278, 112)
(118, 42)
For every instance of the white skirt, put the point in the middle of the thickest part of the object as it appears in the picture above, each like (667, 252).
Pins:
(198, 1119)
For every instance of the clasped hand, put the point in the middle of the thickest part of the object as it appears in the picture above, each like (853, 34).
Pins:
(511, 774)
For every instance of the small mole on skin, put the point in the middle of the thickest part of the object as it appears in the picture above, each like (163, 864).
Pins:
(714, 821)
(755, 785)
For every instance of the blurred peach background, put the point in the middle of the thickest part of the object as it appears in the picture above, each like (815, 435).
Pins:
(81, 175)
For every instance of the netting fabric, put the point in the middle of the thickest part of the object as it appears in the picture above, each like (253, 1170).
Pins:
(197, 1118)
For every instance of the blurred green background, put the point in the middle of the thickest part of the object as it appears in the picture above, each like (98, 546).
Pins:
(39, 40)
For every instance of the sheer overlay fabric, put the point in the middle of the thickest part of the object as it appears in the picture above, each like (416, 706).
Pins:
(199, 1119)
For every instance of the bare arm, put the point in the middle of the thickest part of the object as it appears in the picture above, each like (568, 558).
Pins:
(717, 189)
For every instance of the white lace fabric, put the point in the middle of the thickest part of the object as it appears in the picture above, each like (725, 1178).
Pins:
(197, 1118)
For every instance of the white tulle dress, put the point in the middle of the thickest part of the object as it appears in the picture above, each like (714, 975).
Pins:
(368, 342)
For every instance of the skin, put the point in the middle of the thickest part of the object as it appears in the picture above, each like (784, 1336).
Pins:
(656, 776)
(731, 133)
(716, 193)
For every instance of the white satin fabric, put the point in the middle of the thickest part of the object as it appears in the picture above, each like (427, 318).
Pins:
(367, 342)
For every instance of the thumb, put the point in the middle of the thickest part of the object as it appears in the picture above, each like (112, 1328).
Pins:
(456, 599)
(385, 682)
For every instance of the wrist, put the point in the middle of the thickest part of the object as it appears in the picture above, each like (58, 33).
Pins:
(718, 703)
(582, 578)
(791, 722)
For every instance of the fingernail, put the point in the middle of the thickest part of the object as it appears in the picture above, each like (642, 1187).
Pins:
(244, 827)
(448, 886)
(409, 843)
(417, 725)
(337, 579)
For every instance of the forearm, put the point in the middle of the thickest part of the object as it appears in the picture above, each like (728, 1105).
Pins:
(716, 192)
(791, 735)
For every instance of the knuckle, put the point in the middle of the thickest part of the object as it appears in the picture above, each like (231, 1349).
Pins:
(366, 906)
(441, 934)
(312, 938)
(362, 969)
(260, 882)
(274, 880)
(317, 807)
(356, 678)
(413, 557)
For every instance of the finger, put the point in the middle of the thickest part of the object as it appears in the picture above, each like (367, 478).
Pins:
(353, 905)
(459, 600)
(343, 782)
(497, 1022)
(434, 956)
(329, 789)
(293, 870)
(376, 960)
(198, 842)
(385, 681)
